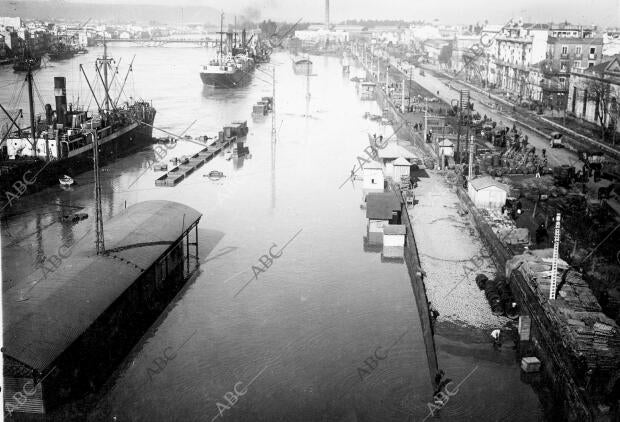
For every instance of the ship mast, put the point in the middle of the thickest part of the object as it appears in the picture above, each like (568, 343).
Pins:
(221, 35)
(105, 62)
(31, 105)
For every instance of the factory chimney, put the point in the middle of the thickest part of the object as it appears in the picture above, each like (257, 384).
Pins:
(327, 14)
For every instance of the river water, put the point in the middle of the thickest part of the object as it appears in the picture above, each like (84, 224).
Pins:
(295, 341)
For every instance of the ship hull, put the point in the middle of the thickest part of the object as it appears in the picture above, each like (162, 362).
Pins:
(302, 67)
(226, 80)
(48, 174)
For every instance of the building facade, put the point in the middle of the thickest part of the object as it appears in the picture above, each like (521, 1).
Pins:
(594, 94)
(517, 48)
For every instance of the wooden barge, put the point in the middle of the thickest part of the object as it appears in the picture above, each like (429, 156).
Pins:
(235, 132)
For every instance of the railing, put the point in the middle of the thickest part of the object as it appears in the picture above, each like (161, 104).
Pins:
(564, 55)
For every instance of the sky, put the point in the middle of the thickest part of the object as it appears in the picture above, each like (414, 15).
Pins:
(596, 12)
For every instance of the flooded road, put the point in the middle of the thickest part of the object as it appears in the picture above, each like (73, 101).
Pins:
(327, 330)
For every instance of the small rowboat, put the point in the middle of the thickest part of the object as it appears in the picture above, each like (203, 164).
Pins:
(214, 175)
(66, 180)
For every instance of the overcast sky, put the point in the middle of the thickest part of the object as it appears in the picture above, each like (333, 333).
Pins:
(599, 12)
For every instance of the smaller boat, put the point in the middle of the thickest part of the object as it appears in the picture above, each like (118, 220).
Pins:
(302, 66)
(66, 180)
(228, 155)
(215, 175)
(74, 218)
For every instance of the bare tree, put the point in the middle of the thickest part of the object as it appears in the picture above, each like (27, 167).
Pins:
(600, 90)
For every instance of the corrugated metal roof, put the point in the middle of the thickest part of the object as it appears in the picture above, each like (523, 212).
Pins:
(485, 182)
(380, 205)
(63, 305)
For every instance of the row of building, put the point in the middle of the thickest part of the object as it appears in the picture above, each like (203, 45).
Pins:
(559, 66)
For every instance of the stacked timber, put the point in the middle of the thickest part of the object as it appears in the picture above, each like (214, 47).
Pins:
(590, 337)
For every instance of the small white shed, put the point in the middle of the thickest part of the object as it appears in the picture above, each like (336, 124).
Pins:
(402, 169)
(486, 192)
(373, 177)
(394, 240)
(389, 154)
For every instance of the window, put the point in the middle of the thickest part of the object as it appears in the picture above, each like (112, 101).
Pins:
(578, 50)
(564, 49)
(576, 64)
(590, 64)
(592, 50)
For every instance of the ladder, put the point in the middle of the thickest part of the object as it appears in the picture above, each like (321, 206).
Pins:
(556, 257)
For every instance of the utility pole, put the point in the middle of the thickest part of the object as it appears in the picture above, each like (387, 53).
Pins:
(409, 87)
(99, 241)
(556, 257)
(425, 118)
(471, 158)
(403, 97)
(273, 140)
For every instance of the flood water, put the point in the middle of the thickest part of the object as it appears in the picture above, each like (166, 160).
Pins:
(297, 339)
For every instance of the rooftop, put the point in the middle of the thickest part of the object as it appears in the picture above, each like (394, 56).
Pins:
(44, 316)
(381, 205)
(487, 181)
(393, 150)
(392, 229)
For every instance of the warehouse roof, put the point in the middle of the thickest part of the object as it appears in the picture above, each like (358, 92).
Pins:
(45, 315)
(487, 181)
(381, 205)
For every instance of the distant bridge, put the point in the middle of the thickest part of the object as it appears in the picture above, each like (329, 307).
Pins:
(159, 41)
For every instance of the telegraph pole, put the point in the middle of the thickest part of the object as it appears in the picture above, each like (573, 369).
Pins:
(273, 140)
(99, 242)
(556, 257)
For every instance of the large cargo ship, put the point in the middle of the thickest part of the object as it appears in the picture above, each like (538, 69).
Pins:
(234, 63)
(227, 71)
(60, 141)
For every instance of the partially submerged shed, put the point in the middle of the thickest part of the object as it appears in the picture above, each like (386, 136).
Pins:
(382, 208)
(62, 330)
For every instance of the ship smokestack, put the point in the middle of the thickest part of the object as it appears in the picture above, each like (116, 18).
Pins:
(60, 92)
(48, 114)
(327, 14)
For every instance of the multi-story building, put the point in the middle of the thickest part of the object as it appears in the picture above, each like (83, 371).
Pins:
(516, 49)
(594, 94)
(569, 47)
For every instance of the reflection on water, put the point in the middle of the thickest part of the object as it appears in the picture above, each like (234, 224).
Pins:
(311, 319)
